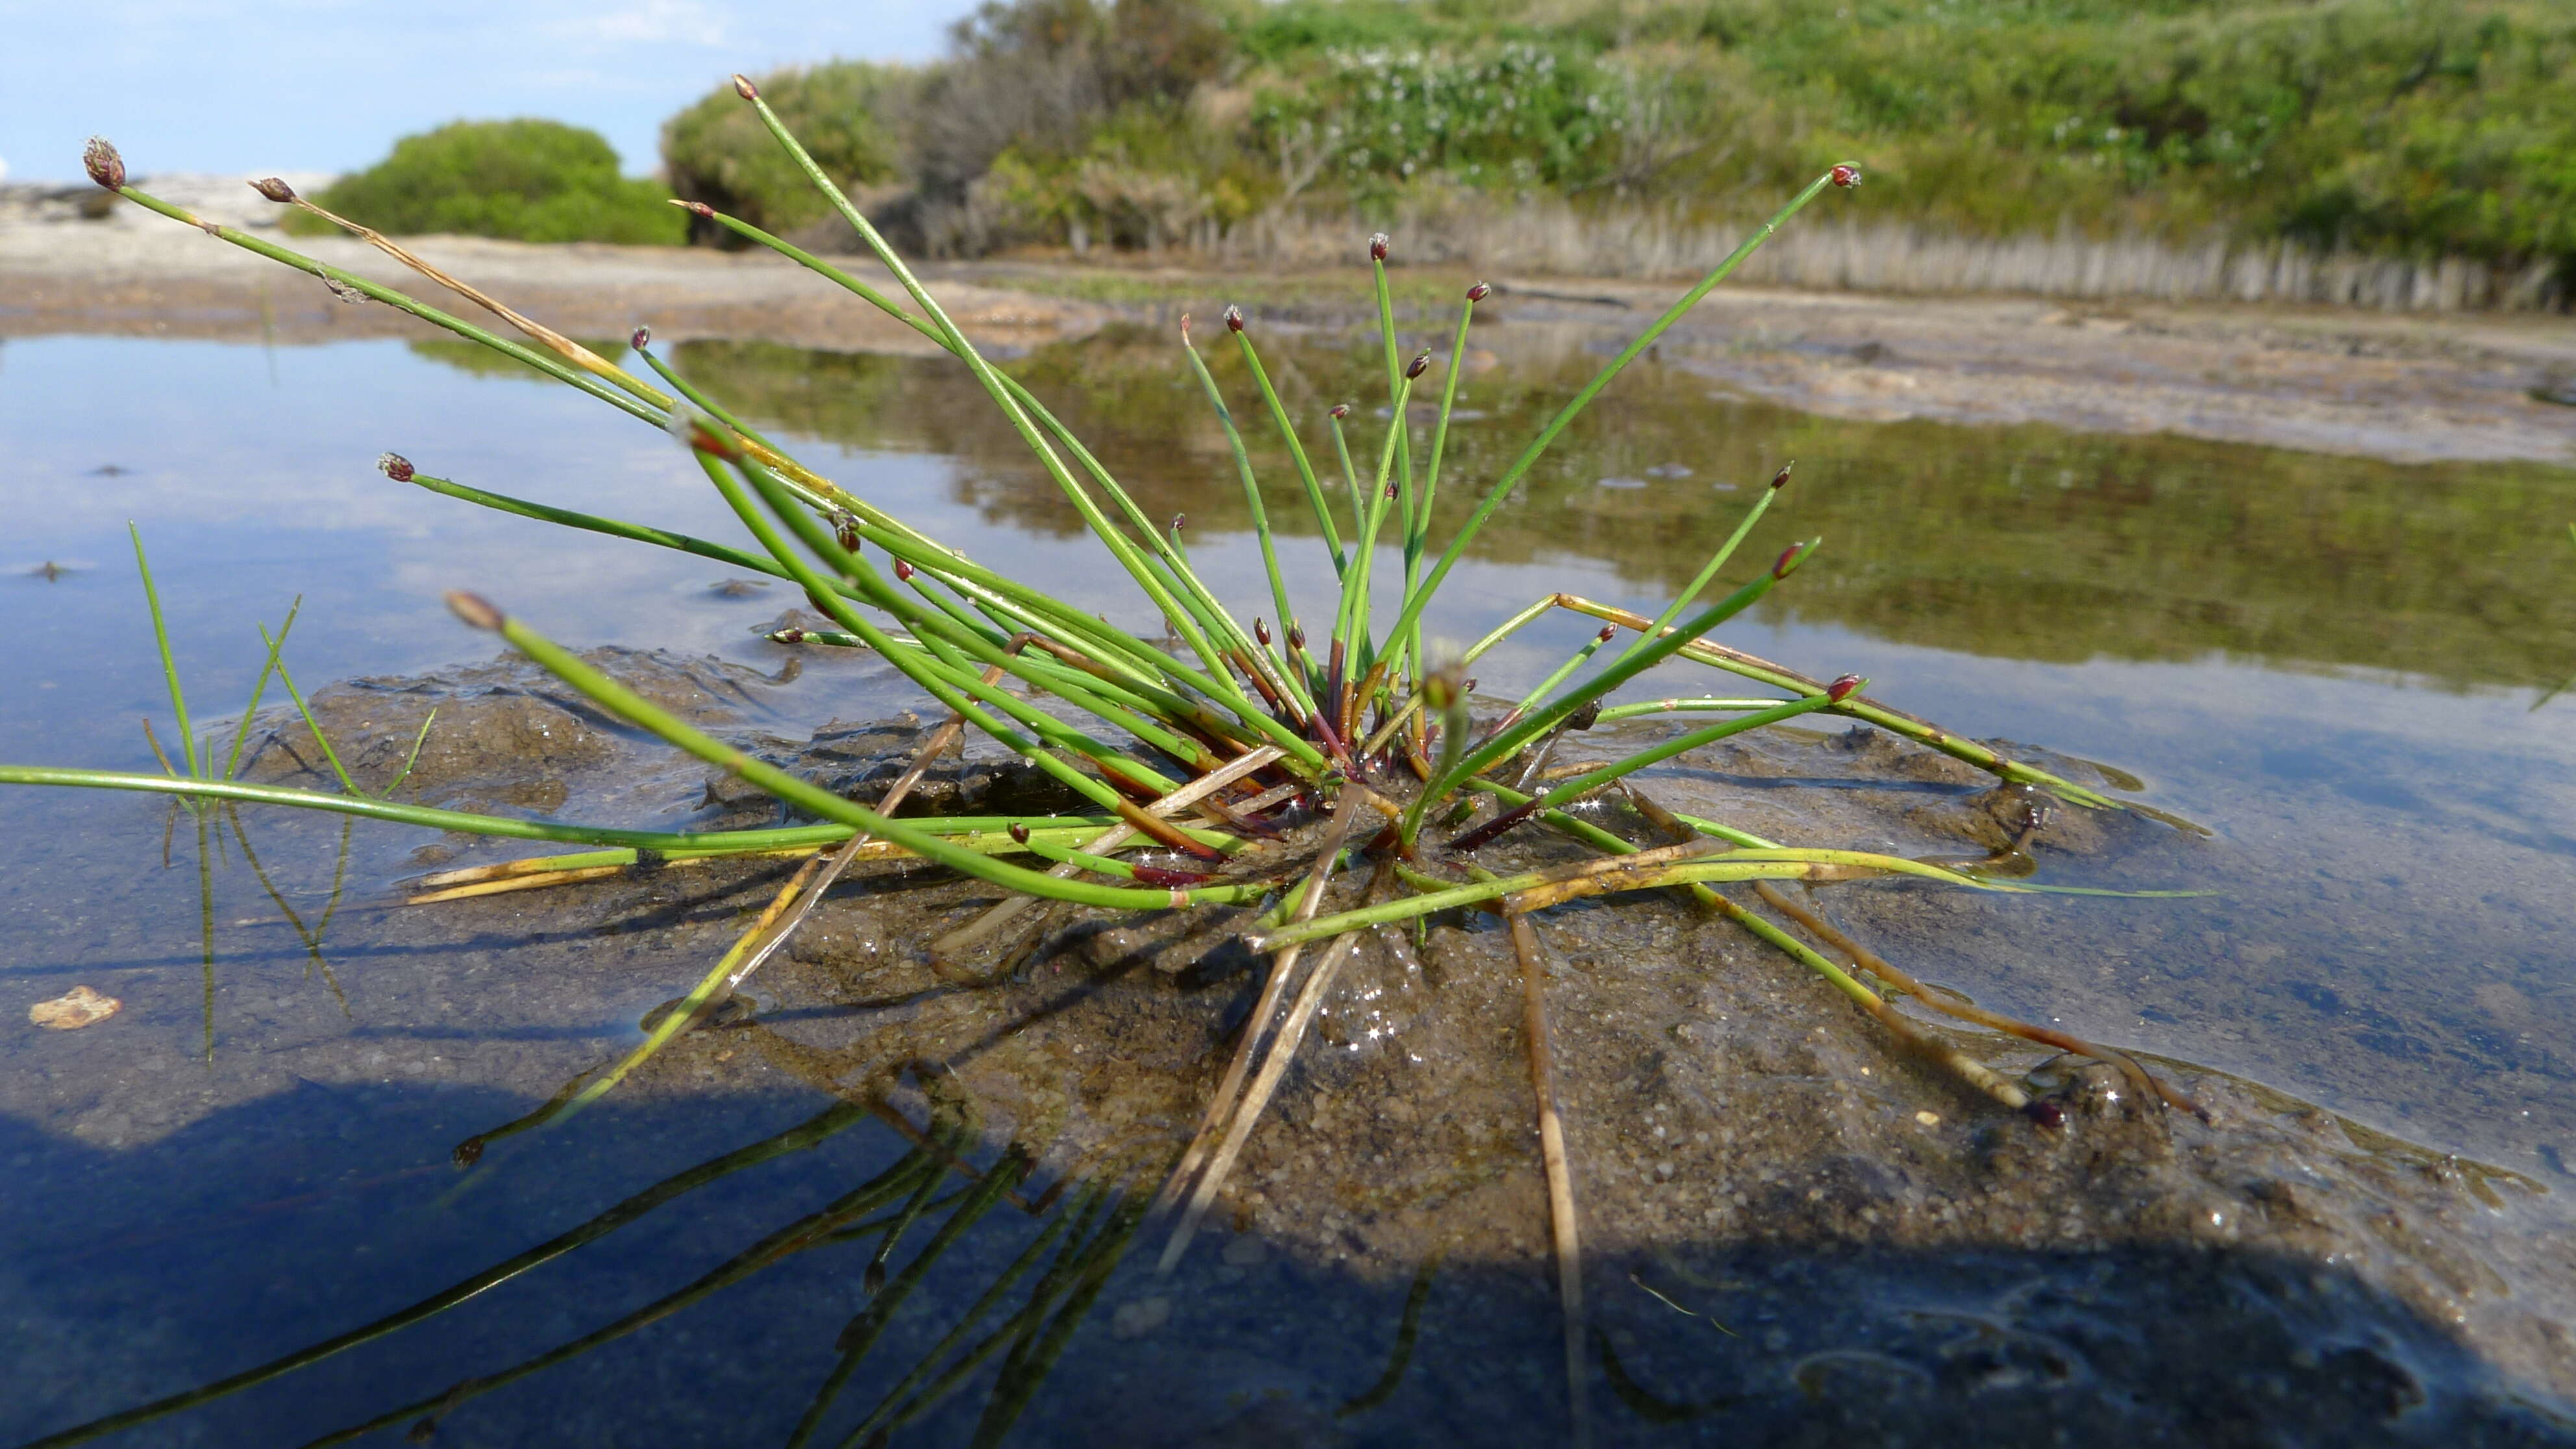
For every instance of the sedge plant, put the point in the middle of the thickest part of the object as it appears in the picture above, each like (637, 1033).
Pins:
(1327, 725)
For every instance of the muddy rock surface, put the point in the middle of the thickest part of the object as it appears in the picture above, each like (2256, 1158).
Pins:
(1794, 1232)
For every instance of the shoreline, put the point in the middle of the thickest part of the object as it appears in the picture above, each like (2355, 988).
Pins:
(2400, 387)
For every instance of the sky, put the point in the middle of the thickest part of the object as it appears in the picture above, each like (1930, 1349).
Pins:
(237, 86)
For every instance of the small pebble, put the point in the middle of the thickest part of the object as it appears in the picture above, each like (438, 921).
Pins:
(1135, 1320)
(1928, 1119)
(74, 1009)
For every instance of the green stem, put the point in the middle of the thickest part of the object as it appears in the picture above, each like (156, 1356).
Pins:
(1679, 706)
(617, 699)
(319, 738)
(1119, 546)
(427, 817)
(169, 666)
(1644, 655)
(241, 732)
(1296, 451)
(1580, 785)
(1418, 526)
(542, 362)
(1243, 471)
(1055, 427)
(1512, 475)
(1736, 866)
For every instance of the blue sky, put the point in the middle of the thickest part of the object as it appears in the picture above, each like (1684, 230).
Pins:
(325, 85)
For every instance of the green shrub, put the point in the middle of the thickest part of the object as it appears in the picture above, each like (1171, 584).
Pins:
(527, 180)
(717, 151)
(2409, 127)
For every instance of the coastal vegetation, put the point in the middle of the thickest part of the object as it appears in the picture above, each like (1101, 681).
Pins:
(526, 180)
(2395, 153)
(2398, 128)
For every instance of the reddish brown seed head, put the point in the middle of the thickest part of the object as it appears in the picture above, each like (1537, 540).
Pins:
(1341, 410)
(1261, 631)
(789, 636)
(274, 189)
(1844, 688)
(1179, 521)
(845, 530)
(474, 609)
(1377, 246)
(1390, 490)
(1846, 176)
(395, 466)
(700, 209)
(1608, 633)
(640, 338)
(105, 167)
(1019, 832)
(1480, 291)
(1780, 479)
(903, 570)
(1233, 318)
(1296, 635)
(1787, 560)
(1421, 364)
(743, 87)
(1467, 685)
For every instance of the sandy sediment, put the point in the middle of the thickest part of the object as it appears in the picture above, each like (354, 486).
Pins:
(2403, 387)
(71, 265)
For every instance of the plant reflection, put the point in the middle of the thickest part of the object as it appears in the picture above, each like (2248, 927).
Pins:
(2025, 542)
(1080, 1227)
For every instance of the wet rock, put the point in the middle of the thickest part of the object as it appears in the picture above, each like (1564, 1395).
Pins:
(1141, 1317)
(79, 1007)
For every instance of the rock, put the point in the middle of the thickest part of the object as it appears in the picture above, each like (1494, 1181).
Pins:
(1137, 1319)
(75, 1009)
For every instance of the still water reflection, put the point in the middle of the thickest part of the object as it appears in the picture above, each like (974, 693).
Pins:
(2337, 666)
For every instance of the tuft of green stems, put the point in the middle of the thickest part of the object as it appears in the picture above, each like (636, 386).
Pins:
(1360, 714)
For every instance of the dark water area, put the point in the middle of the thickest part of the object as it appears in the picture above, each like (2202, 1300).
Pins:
(2343, 672)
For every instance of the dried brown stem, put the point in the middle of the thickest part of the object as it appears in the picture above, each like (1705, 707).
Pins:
(1181, 799)
(1560, 1172)
(564, 347)
(1273, 1067)
(1283, 967)
(2146, 1083)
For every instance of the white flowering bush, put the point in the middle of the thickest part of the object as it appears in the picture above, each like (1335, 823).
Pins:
(1517, 115)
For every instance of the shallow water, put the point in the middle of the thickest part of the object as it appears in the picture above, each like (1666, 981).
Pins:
(2331, 665)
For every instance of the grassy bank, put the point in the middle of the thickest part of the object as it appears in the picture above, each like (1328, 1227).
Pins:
(2362, 151)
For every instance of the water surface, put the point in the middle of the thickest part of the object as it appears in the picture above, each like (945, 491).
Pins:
(2343, 670)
